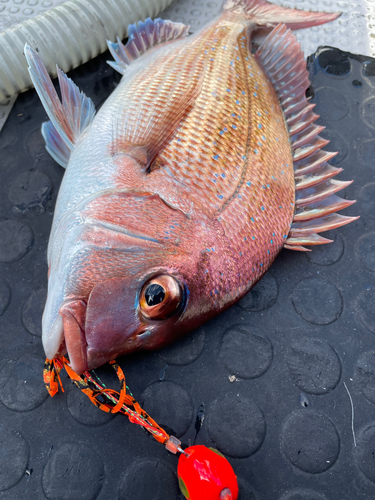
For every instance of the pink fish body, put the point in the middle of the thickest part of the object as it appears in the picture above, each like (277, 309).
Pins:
(178, 195)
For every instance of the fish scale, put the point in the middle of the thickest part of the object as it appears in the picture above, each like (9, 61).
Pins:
(248, 94)
(185, 175)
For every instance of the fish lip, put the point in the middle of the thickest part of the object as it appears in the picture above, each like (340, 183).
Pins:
(54, 342)
(73, 314)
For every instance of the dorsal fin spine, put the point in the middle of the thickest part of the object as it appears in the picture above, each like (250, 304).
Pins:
(300, 115)
(283, 61)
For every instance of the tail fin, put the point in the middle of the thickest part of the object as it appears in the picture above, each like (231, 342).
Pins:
(269, 15)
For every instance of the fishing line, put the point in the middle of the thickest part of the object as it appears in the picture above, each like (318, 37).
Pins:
(202, 472)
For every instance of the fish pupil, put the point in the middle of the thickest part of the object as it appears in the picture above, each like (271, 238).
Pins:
(154, 294)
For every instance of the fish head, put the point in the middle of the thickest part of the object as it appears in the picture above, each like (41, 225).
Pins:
(121, 280)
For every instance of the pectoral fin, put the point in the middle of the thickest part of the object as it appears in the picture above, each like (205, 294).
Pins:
(156, 107)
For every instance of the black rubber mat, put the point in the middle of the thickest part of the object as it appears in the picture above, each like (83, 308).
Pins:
(283, 383)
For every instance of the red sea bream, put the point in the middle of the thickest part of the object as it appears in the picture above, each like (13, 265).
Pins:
(180, 192)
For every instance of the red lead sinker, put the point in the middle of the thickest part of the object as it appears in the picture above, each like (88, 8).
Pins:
(205, 474)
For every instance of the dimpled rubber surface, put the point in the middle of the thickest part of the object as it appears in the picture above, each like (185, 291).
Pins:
(268, 376)
(354, 30)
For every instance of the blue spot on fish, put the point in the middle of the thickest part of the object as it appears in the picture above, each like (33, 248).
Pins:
(243, 92)
(223, 176)
(216, 157)
(260, 125)
(248, 183)
(256, 151)
(263, 208)
(237, 102)
(220, 196)
(255, 94)
(234, 126)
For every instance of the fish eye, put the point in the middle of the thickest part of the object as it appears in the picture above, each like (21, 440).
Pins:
(160, 297)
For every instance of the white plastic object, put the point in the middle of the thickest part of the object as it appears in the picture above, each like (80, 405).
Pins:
(68, 35)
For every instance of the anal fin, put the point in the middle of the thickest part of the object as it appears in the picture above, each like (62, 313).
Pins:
(283, 60)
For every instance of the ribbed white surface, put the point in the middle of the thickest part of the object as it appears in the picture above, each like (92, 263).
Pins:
(68, 35)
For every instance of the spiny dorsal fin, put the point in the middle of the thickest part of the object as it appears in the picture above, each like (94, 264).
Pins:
(282, 58)
(69, 117)
(141, 37)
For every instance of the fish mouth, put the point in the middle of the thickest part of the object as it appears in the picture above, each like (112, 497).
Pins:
(89, 343)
